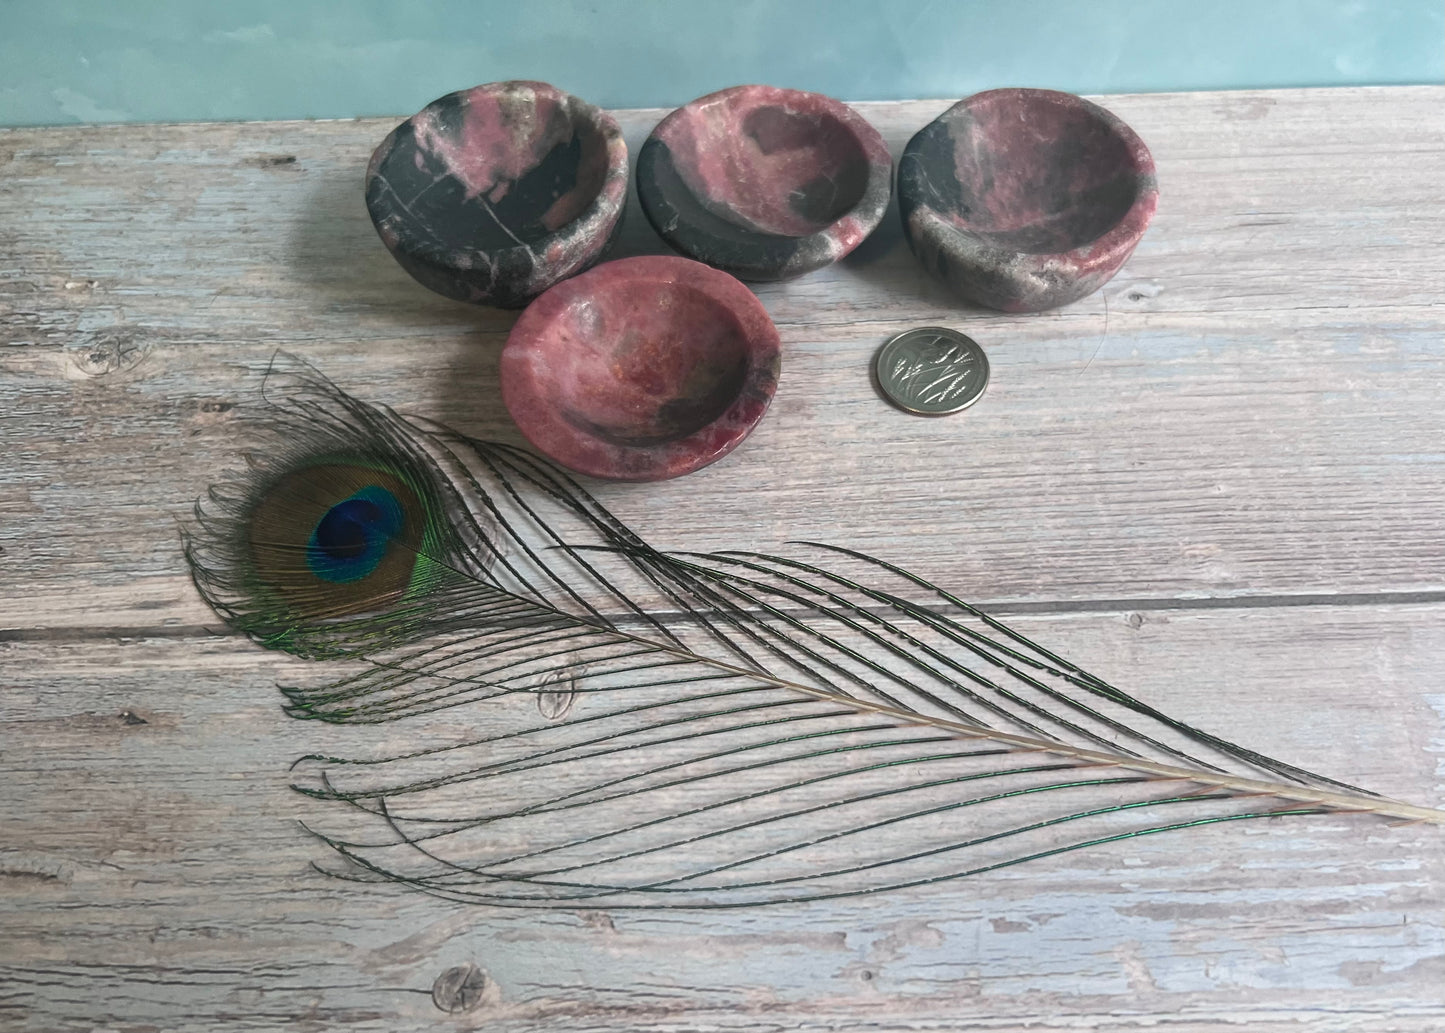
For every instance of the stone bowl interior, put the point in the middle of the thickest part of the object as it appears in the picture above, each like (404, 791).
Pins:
(494, 193)
(765, 183)
(641, 369)
(1060, 183)
(769, 169)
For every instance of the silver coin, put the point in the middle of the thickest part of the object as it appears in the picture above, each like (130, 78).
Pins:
(932, 371)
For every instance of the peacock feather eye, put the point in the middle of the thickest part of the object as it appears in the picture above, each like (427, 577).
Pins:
(352, 538)
(332, 540)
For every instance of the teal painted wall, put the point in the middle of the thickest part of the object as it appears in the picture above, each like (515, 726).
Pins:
(179, 60)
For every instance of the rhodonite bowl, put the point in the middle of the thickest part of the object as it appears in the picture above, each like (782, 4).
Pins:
(1024, 200)
(764, 183)
(641, 369)
(493, 194)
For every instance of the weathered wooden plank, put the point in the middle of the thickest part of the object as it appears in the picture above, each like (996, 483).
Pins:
(152, 875)
(1255, 415)
(1249, 412)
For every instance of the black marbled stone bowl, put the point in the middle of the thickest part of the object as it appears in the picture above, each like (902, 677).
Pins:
(764, 183)
(1023, 200)
(491, 195)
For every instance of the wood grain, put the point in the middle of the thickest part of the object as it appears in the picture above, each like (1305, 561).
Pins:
(153, 874)
(1218, 480)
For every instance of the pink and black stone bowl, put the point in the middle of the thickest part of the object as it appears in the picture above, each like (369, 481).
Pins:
(764, 183)
(493, 194)
(641, 369)
(1024, 200)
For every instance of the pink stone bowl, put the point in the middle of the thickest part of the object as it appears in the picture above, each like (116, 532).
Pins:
(493, 194)
(764, 183)
(641, 369)
(1024, 200)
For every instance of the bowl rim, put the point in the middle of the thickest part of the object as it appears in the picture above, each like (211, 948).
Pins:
(596, 221)
(1116, 243)
(538, 418)
(833, 241)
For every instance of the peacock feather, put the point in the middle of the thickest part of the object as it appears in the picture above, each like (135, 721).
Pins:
(598, 723)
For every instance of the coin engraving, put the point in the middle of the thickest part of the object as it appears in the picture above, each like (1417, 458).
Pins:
(932, 371)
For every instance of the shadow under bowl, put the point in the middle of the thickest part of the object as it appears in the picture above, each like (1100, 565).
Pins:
(641, 369)
(493, 194)
(764, 183)
(1024, 200)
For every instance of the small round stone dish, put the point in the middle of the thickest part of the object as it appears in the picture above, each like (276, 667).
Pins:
(1023, 200)
(764, 183)
(493, 194)
(641, 369)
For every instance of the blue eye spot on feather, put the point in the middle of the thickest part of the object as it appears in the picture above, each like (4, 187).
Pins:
(352, 538)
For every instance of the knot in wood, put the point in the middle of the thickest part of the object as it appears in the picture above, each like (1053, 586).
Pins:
(459, 988)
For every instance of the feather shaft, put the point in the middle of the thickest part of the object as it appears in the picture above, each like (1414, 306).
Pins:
(1337, 801)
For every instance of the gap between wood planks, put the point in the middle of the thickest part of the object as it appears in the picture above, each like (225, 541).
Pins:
(998, 609)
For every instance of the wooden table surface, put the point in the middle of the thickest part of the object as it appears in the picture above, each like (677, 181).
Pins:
(1220, 481)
